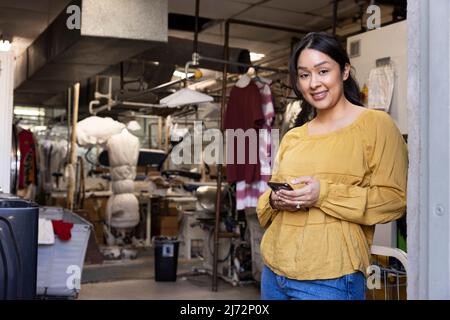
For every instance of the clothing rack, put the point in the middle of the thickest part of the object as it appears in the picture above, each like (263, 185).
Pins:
(196, 58)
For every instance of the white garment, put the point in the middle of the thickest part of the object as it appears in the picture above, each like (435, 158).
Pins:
(290, 115)
(123, 149)
(381, 87)
(46, 234)
(243, 81)
(133, 125)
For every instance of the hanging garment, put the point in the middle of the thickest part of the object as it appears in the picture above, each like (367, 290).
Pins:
(27, 168)
(243, 112)
(96, 130)
(247, 194)
(381, 87)
(46, 234)
(52, 153)
(265, 137)
(290, 115)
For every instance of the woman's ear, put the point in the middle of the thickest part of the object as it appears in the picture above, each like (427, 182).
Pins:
(346, 72)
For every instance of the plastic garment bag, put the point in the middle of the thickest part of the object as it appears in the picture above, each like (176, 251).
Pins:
(381, 87)
(96, 130)
(123, 206)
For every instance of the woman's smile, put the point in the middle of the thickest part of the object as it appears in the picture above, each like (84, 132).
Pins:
(318, 96)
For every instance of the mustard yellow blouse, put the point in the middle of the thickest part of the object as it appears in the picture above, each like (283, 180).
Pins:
(362, 169)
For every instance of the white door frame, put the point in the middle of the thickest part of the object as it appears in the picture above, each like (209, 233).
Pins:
(429, 149)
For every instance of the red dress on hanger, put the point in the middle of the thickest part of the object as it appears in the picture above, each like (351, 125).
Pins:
(244, 112)
(27, 167)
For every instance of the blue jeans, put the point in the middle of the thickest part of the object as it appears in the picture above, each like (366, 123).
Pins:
(348, 287)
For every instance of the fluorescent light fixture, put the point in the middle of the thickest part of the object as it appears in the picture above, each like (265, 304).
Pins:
(256, 56)
(182, 74)
(39, 128)
(5, 45)
(32, 112)
(202, 84)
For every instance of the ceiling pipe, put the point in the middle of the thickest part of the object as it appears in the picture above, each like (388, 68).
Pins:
(335, 14)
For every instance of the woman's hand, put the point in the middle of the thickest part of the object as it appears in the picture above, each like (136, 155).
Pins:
(301, 198)
(277, 203)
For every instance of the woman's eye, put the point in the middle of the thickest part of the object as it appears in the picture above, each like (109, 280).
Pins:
(303, 75)
(322, 72)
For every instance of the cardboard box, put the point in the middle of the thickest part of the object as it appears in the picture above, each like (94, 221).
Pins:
(169, 225)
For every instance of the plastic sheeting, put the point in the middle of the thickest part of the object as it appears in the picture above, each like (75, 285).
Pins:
(133, 126)
(123, 149)
(123, 210)
(96, 130)
(123, 206)
(122, 186)
(123, 172)
(381, 87)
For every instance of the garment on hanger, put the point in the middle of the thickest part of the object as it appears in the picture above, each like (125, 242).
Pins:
(243, 112)
(28, 165)
(265, 134)
(247, 194)
(52, 151)
(381, 87)
(290, 115)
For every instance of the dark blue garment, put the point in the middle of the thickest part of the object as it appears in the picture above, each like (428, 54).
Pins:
(349, 287)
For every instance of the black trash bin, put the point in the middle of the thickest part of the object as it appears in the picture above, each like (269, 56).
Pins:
(18, 248)
(166, 258)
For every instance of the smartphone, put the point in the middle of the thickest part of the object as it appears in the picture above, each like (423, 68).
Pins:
(276, 186)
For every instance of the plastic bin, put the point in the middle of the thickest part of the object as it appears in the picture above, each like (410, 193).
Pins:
(166, 258)
(18, 248)
(60, 265)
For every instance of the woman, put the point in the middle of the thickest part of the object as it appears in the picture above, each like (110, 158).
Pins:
(348, 168)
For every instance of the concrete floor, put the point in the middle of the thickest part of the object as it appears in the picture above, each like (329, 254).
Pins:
(134, 280)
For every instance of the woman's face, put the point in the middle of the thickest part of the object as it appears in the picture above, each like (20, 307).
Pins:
(320, 79)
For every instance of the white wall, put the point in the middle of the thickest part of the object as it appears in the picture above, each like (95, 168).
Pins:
(390, 41)
(6, 113)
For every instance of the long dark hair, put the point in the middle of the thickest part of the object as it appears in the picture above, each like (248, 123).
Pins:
(329, 45)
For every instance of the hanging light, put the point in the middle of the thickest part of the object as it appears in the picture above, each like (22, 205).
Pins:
(254, 56)
(5, 45)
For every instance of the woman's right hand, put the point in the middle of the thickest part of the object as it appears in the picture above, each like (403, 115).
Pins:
(277, 203)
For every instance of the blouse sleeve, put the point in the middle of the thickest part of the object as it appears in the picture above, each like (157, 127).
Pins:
(384, 199)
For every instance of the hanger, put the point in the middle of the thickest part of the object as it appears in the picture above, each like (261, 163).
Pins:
(245, 79)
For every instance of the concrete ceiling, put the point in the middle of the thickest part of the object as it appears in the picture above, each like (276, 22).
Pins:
(299, 14)
(24, 20)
